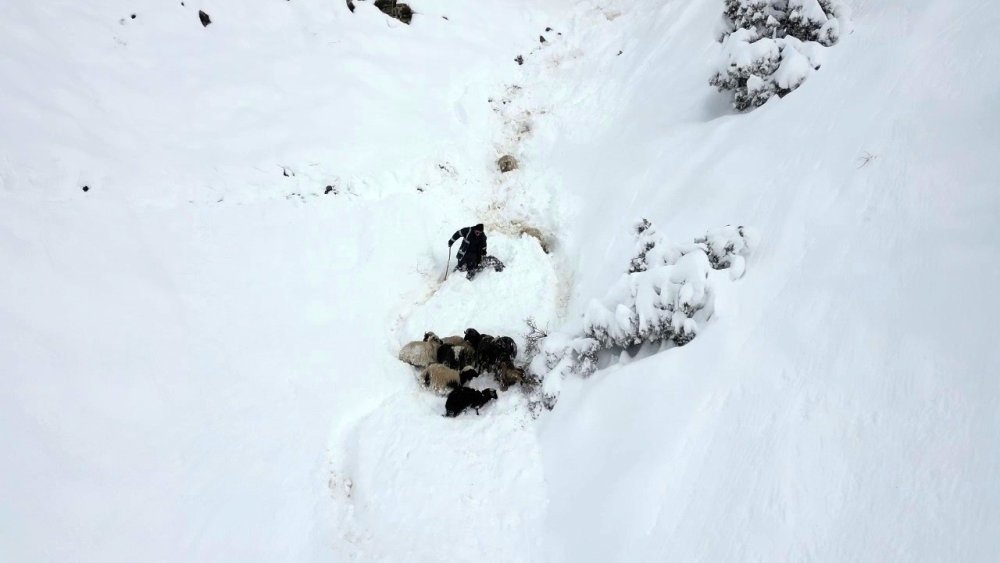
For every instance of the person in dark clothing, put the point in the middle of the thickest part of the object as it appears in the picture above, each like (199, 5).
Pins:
(472, 257)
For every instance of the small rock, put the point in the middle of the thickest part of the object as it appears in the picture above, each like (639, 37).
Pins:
(619, 53)
(506, 163)
(519, 60)
(205, 20)
(133, 16)
(548, 29)
(541, 39)
(86, 188)
(328, 190)
(286, 173)
(350, 5)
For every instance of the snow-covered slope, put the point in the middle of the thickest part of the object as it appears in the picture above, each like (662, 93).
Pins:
(199, 351)
(841, 405)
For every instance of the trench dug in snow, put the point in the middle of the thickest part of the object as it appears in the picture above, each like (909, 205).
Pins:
(402, 460)
(406, 455)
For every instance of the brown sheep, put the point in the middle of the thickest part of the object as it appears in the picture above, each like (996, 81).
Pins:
(454, 340)
(443, 379)
(508, 375)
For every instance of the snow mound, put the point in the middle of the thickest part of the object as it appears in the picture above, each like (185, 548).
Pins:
(495, 303)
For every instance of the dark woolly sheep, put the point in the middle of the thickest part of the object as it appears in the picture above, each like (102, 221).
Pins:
(472, 336)
(421, 353)
(462, 398)
(441, 378)
(466, 355)
(491, 352)
(456, 357)
(446, 356)
(508, 346)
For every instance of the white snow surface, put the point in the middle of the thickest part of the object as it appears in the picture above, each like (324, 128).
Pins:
(199, 353)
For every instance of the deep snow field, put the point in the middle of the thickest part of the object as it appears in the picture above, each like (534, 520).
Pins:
(198, 353)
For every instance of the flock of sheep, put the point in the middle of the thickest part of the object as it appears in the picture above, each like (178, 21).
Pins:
(447, 364)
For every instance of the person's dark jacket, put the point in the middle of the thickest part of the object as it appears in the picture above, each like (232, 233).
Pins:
(473, 247)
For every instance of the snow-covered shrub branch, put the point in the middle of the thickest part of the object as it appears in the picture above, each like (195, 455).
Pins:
(559, 355)
(770, 47)
(665, 296)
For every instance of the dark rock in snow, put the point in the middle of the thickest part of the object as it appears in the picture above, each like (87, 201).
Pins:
(205, 20)
(393, 9)
(132, 16)
(350, 6)
(519, 60)
(506, 163)
(330, 189)
(86, 188)
(548, 29)
(541, 39)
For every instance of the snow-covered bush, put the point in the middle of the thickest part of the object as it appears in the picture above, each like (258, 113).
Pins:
(760, 16)
(556, 356)
(770, 47)
(566, 354)
(664, 296)
(727, 248)
(665, 293)
(816, 20)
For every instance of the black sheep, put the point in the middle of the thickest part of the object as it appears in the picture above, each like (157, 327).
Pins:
(462, 398)
(456, 357)
(508, 346)
(491, 352)
(473, 337)
(446, 356)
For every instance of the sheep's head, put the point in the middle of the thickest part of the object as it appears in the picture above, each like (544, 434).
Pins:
(508, 345)
(490, 393)
(472, 336)
(467, 374)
